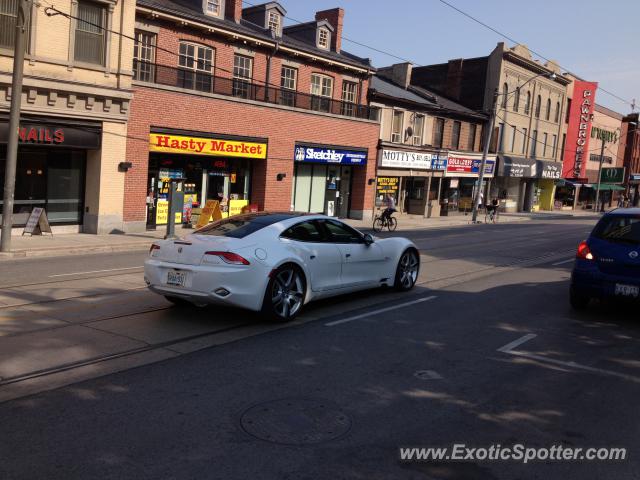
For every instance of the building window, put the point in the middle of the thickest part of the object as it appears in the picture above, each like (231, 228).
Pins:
(90, 38)
(557, 112)
(527, 105)
(418, 129)
(516, 100)
(322, 92)
(505, 95)
(196, 64)
(144, 56)
(8, 18)
(524, 141)
(548, 114)
(513, 139)
(213, 7)
(323, 38)
(538, 102)
(349, 97)
(500, 137)
(564, 142)
(534, 141)
(554, 146)
(274, 23)
(397, 126)
(288, 83)
(545, 137)
(471, 142)
(455, 135)
(242, 74)
(438, 132)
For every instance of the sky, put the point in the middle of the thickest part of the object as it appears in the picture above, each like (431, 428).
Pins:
(597, 40)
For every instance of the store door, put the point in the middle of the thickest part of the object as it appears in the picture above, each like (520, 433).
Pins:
(152, 199)
(337, 191)
(31, 185)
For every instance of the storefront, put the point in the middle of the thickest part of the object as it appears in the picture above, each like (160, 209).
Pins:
(211, 167)
(526, 184)
(51, 168)
(418, 177)
(323, 178)
(461, 181)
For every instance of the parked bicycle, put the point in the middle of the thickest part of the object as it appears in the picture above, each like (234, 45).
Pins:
(385, 220)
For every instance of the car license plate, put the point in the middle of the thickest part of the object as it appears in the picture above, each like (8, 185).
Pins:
(176, 278)
(627, 290)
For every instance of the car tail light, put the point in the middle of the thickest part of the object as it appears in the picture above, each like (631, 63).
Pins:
(154, 247)
(230, 257)
(584, 252)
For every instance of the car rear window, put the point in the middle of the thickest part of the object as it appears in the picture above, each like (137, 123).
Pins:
(239, 226)
(619, 228)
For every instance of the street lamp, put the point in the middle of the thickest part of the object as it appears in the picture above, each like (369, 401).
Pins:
(485, 151)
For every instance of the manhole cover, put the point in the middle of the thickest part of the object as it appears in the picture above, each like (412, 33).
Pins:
(295, 421)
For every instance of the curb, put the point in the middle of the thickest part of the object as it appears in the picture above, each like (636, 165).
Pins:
(69, 251)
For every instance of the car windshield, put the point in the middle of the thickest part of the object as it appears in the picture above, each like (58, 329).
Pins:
(619, 228)
(239, 226)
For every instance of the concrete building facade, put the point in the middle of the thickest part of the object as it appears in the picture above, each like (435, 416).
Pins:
(75, 106)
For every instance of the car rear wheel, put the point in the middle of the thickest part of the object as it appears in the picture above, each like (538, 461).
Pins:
(578, 300)
(407, 270)
(285, 294)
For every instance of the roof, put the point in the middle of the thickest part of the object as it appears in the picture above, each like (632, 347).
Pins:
(188, 11)
(420, 96)
(608, 112)
(625, 211)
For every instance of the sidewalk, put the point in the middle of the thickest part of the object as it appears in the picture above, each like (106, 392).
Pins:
(82, 244)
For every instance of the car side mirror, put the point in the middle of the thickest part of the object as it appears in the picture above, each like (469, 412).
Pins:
(368, 239)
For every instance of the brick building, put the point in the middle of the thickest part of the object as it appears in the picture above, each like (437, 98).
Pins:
(420, 132)
(630, 153)
(247, 110)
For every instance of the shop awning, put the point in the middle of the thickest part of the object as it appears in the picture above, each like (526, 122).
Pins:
(605, 187)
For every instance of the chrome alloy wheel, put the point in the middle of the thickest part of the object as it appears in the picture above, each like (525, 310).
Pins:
(287, 294)
(408, 269)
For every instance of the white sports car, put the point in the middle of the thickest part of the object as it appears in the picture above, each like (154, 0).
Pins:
(277, 262)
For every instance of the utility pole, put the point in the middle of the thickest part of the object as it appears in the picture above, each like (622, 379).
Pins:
(14, 125)
(600, 176)
(485, 153)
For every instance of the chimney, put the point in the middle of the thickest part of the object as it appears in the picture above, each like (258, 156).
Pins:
(335, 17)
(233, 10)
(453, 85)
(400, 74)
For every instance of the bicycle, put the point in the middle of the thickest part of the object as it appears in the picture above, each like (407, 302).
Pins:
(383, 221)
(491, 213)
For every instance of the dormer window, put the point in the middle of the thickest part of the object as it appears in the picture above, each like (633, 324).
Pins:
(274, 22)
(213, 7)
(323, 38)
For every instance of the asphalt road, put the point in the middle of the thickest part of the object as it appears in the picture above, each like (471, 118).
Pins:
(337, 396)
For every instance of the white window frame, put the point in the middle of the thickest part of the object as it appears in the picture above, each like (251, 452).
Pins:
(215, 3)
(288, 85)
(349, 97)
(242, 75)
(105, 28)
(273, 22)
(397, 127)
(322, 91)
(197, 63)
(324, 38)
(145, 54)
(418, 130)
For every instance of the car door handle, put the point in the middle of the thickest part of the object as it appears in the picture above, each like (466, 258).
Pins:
(348, 255)
(312, 257)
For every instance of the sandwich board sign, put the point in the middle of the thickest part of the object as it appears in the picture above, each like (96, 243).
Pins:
(38, 222)
(211, 211)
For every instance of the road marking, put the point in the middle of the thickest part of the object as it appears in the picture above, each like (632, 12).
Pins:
(516, 343)
(509, 349)
(380, 310)
(562, 262)
(94, 271)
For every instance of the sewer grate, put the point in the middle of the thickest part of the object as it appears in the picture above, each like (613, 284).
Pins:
(296, 421)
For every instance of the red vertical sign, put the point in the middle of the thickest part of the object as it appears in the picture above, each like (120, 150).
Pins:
(576, 150)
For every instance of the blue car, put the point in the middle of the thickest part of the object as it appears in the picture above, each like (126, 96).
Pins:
(608, 262)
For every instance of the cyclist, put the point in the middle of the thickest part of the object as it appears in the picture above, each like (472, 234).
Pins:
(390, 204)
(492, 209)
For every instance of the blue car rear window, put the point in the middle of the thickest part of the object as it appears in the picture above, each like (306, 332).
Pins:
(619, 228)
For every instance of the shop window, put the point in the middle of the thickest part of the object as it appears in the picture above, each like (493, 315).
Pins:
(196, 64)
(538, 105)
(242, 75)
(416, 189)
(418, 129)
(516, 100)
(144, 56)
(527, 105)
(505, 93)
(455, 134)
(8, 18)
(90, 33)
(397, 126)
(349, 97)
(288, 84)
(322, 92)
(471, 140)
(438, 132)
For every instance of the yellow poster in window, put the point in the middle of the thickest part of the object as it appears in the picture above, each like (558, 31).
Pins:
(162, 213)
(235, 206)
